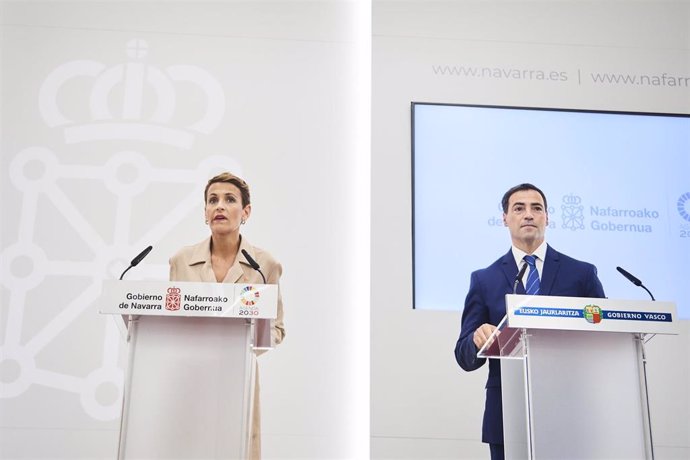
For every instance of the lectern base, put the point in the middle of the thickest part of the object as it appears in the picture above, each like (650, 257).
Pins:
(576, 395)
(189, 389)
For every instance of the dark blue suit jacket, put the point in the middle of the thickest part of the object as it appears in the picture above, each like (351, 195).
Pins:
(485, 303)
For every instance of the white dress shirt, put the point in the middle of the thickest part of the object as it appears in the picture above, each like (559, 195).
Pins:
(539, 253)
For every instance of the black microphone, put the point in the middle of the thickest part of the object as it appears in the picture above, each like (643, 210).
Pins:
(519, 276)
(634, 280)
(253, 264)
(628, 275)
(137, 259)
(141, 256)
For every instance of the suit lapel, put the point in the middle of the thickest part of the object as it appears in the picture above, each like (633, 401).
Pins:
(201, 259)
(552, 264)
(236, 273)
(510, 271)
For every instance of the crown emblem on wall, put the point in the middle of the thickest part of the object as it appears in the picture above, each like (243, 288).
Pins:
(131, 101)
(571, 200)
(573, 217)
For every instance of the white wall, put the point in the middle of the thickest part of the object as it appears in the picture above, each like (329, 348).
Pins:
(264, 89)
(423, 404)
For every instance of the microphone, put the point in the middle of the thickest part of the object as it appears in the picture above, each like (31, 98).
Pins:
(628, 275)
(634, 280)
(253, 264)
(519, 277)
(141, 256)
(137, 259)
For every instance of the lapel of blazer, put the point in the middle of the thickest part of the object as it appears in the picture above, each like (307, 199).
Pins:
(551, 266)
(510, 271)
(235, 273)
(200, 261)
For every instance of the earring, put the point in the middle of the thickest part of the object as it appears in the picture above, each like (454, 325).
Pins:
(243, 221)
(206, 222)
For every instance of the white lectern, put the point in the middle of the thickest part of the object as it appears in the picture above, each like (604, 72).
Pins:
(190, 373)
(573, 375)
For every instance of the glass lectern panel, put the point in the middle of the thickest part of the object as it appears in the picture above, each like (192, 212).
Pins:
(504, 343)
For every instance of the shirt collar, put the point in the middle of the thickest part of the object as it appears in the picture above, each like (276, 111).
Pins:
(519, 254)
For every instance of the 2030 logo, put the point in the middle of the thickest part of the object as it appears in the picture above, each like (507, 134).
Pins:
(249, 297)
(683, 207)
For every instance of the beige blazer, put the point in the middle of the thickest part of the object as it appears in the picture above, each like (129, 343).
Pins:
(193, 263)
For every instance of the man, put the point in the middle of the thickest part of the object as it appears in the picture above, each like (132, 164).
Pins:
(549, 273)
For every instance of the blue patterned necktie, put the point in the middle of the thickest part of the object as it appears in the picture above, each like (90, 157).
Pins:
(532, 285)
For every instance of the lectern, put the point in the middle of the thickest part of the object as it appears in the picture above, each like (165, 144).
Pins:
(190, 372)
(573, 375)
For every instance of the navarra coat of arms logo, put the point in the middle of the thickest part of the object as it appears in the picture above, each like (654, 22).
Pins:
(172, 299)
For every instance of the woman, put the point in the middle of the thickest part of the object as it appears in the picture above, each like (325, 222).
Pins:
(219, 258)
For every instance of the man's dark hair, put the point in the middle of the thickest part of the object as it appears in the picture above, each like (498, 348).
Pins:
(520, 188)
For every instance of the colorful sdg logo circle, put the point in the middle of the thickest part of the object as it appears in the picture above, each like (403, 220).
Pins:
(684, 206)
(249, 296)
(592, 314)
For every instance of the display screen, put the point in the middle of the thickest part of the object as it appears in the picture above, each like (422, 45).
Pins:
(617, 188)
